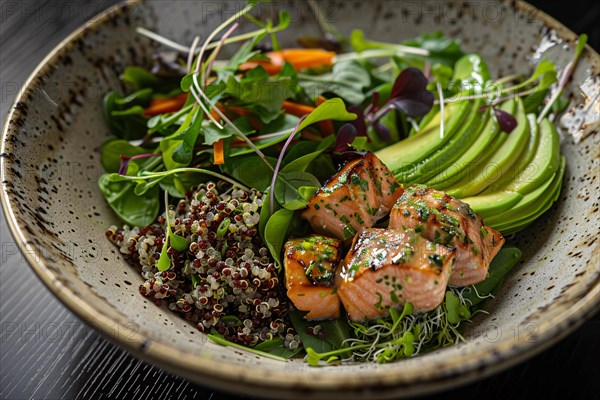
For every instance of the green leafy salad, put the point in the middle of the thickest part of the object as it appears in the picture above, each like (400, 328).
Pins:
(230, 175)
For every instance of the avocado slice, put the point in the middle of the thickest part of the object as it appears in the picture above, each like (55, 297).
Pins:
(522, 163)
(487, 205)
(488, 138)
(524, 176)
(522, 223)
(531, 206)
(544, 163)
(445, 156)
(500, 162)
(402, 156)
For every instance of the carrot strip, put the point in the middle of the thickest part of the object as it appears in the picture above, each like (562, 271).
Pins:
(215, 115)
(219, 152)
(165, 105)
(244, 112)
(297, 109)
(299, 58)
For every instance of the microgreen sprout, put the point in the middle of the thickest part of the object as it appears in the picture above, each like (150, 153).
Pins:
(213, 55)
(442, 115)
(279, 160)
(126, 159)
(403, 334)
(190, 58)
(197, 89)
(171, 240)
(565, 77)
(151, 176)
(218, 339)
(284, 22)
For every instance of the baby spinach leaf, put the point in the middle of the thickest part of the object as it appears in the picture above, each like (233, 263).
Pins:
(534, 102)
(306, 192)
(322, 167)
(333, 109)
(348, 80)
(301, 163)
(276, 346)
(442, 74)
(144, 185)
(336, 331)
(473, 72)
(213, 134)
(245, 53)
(113, 149)
(545, 71)
(139, 78)
(182, 154)
(178, 184)
(251, 171)
(299, 149)
(286, 188)
(442, 49)
(125, 114)
(276, 232)
(261, 93)
(265, 213)
(130, 208)
(167, 147)
(360, 44)
(220, 339)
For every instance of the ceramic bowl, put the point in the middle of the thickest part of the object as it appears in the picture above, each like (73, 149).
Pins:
(50, 164)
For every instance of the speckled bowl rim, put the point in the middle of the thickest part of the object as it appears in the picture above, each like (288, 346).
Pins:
(371, 381)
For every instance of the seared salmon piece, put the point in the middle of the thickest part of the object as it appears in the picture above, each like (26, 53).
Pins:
(386, 268)
(310, 266)
(361, 193)
(448, 221)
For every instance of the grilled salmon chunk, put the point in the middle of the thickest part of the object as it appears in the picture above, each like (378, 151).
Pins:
(448, 221)
(361, 193)
(386, 268)
(310, 267)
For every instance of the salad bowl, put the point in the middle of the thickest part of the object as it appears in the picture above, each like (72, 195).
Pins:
(50, 165)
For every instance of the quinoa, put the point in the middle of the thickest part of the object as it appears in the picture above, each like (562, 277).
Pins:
(226, 281)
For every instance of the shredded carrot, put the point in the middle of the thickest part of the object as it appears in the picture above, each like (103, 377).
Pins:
(165, 105)
(299, 110)
(219, 152)
(320, 100)
(244, 112)
(299, 58)
(214, 113)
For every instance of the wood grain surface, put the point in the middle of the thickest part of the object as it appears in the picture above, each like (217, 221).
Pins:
(47, 353)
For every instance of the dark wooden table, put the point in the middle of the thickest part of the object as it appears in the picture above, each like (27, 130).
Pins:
(47, 353)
